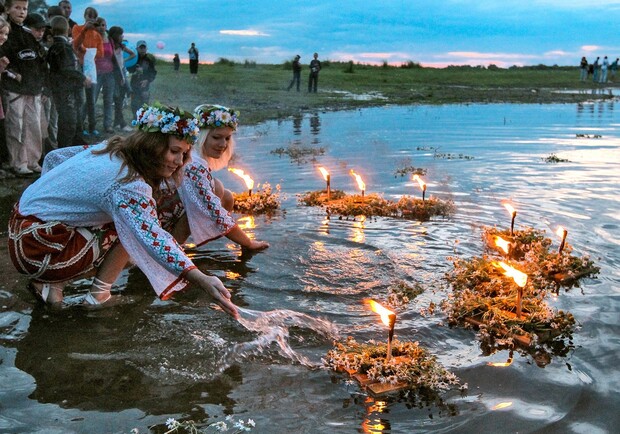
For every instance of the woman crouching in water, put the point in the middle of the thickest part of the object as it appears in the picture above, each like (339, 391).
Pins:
(96, 210)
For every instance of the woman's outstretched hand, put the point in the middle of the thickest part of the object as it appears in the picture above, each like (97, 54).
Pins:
(257, 245)
(215, 289)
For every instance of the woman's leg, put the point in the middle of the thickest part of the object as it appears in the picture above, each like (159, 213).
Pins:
(113, 263)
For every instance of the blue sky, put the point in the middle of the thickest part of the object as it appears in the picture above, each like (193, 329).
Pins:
(431, 32)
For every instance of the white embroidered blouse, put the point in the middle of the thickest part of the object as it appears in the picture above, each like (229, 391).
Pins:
(84, 191)
(208, 219)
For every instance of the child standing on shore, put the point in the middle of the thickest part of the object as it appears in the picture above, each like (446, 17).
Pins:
(23, 90)
(67, 83)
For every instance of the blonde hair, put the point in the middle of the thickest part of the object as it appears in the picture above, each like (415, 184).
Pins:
(215, 164)
(4, 23)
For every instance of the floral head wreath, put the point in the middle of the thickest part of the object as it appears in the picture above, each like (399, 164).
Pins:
(168, 120)
(216, 116)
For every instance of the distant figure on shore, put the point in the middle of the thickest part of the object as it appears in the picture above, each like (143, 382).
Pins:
(176, 62)
(604, 67)
(583, 69)
(315, 67)
(595, 70)
(193, 60)
(614, 68)
(296, 73)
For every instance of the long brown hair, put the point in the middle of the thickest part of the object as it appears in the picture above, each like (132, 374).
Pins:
(142, 154)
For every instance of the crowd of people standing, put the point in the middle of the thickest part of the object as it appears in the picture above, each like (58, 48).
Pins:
(53, 71)
(601, 70)
(98, 208)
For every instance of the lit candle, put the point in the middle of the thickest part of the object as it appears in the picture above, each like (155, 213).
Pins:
(520, 279)
(562, 233)
(249, 182)
(327, 178)
(502, 244)
(360, 183)
(389, 319)
(422, 185)
(513, 214)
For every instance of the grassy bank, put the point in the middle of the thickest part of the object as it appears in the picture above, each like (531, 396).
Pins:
(259, 91)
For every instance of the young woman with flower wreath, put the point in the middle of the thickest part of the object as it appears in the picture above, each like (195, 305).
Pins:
(96, 210)
(201, 206)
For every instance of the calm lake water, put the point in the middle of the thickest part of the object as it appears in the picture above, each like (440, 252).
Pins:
(142, 361)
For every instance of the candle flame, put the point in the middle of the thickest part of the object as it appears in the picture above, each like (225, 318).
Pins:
(421, 183)
(358, 178)
(510, 209)
(519, 277)
(502, 244)
(249, 182)
(561, 232)
(324, 172)
(382, 311)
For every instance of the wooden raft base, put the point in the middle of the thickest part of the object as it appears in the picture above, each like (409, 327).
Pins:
(375, 388)
(522, 340)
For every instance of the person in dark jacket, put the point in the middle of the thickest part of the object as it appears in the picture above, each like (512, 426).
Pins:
(296, 73)
(66, 83)
(23, 90)
(315, 67)
(142, 75)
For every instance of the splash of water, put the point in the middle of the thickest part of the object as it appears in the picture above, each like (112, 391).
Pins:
(273, 327)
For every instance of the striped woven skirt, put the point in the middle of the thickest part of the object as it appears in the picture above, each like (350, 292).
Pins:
(53, 251)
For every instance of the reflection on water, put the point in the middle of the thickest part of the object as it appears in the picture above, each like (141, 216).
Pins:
(142, 361)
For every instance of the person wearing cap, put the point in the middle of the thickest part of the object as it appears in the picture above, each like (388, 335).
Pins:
(296, 73)
(39, 27)
(23, 91)
(142, 75)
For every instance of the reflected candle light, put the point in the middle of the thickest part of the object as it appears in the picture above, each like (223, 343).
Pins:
(327, 178)
(562, 233)
(249, 182)
(513, 214)
(389, 319)
(360, 182)
(502, 364)
(422, 185)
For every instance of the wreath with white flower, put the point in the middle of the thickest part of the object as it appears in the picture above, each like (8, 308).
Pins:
(216, 116)
(167, 120)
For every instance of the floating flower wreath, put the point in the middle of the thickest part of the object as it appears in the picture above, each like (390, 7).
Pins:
(167, 120)
(216, 116)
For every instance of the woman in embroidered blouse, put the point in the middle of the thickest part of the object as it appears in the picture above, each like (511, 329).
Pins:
(200, 197)
(63, 228)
